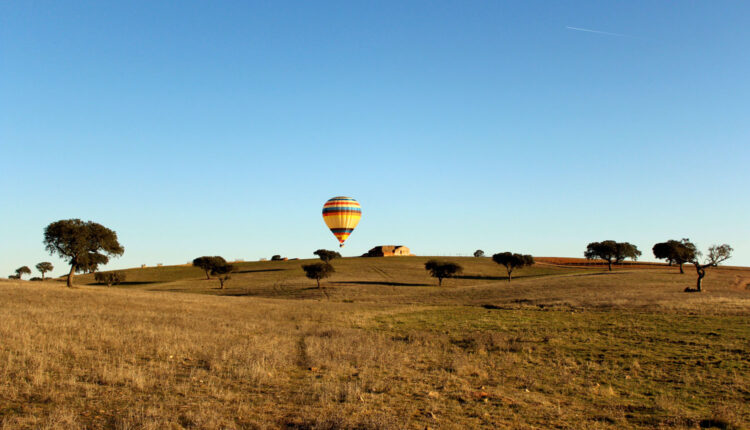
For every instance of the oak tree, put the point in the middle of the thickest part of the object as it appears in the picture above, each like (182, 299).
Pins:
(23, 270)
(45, 267)
(318, 271)
(82, 244)
(675, 252)
(110, 278)
(611, 251)
(327, 255)
(209, 263)
(442, 269)
(222, 271)
(512, 261)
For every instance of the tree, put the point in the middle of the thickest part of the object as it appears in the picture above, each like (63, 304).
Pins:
(318, 271)
(222, 271)
(442, 269)
(327, 255)
(13, 277)
(679, 252)
(276, 257)
(479, 253)
(81, 244)
(23, 270)
(45, 267)
(716, 255)
(110, 278)
(512, 261)
(209, 263)
(611, 251)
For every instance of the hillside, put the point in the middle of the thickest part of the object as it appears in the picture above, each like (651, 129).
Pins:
(558, 347)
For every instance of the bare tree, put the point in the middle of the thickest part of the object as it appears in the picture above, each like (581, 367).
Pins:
(716, 254)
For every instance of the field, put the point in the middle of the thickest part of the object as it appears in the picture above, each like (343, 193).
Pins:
(562, 346)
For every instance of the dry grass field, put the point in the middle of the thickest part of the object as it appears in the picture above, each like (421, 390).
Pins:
(559, 347)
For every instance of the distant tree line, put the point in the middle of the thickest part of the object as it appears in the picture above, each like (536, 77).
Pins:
(86, 245)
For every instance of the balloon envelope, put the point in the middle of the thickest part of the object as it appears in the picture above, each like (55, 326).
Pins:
(341, 215)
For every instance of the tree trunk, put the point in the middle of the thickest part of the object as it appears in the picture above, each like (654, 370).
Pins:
(207, 275)
(509, 275)
(318, 281)
(609, 263)
(681, 271)
(42, 276)
(440, 282)
(701, 273)
(70, 275)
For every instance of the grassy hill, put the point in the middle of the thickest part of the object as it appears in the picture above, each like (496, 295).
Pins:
(560, 346)
(355, 278)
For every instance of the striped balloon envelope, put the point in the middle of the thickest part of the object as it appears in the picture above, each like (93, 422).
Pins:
(341, 215)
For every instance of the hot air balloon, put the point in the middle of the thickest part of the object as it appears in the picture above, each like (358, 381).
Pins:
(341, 215)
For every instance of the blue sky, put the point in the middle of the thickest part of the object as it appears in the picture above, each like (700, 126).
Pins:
(221, 128)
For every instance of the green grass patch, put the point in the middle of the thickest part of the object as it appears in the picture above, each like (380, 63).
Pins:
(645, 369)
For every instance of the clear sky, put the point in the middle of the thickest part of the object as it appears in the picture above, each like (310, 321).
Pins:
(221, 128)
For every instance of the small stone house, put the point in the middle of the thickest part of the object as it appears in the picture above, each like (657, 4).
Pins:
(388, 251)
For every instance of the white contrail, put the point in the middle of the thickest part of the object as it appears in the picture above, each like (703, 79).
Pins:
(597, 31)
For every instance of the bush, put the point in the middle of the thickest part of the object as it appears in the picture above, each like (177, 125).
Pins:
(110, 278)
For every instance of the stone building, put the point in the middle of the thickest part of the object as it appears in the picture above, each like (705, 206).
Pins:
(388, 251)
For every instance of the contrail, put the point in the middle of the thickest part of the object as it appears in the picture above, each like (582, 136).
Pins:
(597, 31)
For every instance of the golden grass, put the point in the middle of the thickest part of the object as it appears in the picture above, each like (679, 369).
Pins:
(555, 348)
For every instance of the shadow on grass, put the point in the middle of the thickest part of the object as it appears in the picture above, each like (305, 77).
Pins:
(266, 293)
(127, 283)
(484, 278)
(259, 270)
(390, 284)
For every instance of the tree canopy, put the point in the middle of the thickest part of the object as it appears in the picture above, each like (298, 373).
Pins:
(110, 278)
(222, 271)
(512, 261)
(45, 267)
(318, 271)
(678, 252)
(442, 269)
(611, 251)
(82, 244)
(208, 264)
(327, 255)
(479, 253)
(23, 270)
